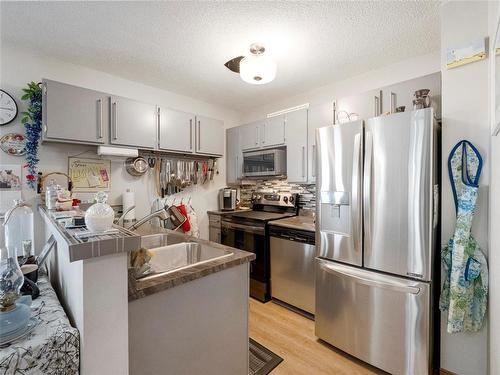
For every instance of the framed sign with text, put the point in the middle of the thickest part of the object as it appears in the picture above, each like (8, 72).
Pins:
(89, 175)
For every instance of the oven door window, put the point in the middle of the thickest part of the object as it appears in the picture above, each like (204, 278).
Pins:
(261, 163)
(251, 242)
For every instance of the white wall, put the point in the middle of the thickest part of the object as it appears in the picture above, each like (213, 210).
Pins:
(494, 322)
(323, 97)
(20, 66)
(465, 116)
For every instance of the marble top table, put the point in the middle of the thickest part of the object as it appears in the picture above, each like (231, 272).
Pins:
(52, 347)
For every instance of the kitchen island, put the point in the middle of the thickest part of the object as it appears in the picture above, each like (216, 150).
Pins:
(189, 320)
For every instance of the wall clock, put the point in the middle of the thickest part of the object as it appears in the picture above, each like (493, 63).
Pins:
(8, 108)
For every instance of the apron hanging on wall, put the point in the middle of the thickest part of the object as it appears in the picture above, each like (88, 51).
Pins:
(465, 288)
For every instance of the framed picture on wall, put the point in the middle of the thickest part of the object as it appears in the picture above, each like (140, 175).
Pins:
(10, 185)
(89, 175)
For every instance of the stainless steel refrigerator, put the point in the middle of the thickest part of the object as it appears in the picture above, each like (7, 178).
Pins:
(377, 215)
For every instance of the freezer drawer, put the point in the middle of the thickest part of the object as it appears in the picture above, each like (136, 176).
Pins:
(292, 273)
(383, 320)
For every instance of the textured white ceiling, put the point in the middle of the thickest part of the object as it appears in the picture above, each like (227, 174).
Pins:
(181, 46)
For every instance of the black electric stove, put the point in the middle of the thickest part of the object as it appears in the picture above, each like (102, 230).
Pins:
(248, 230)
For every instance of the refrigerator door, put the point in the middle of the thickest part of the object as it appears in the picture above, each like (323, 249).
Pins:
(382, 320)
(338, 188)
(398, 193)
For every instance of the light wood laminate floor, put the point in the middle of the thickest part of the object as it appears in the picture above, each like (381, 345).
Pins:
(291, 336)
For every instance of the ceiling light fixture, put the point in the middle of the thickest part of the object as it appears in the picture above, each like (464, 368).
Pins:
(256, 68)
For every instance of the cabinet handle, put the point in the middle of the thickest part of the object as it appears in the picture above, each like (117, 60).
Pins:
(191, 134)
(377, 105)
(99, 118)
(303, 161)
(393, 102)
(158, 126)
(236, 168)
(313, 160)
(115, 126)
(199, 135)
(256, 135)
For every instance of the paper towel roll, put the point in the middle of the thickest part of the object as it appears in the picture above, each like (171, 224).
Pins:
(128, 200)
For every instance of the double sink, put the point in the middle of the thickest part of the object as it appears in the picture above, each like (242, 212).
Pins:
(171, 252)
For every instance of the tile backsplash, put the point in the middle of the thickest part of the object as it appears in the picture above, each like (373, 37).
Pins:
(307, 193)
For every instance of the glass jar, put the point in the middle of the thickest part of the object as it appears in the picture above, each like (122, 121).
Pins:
(11, 278)
(99, 217)
(51, 191)
(19, 234)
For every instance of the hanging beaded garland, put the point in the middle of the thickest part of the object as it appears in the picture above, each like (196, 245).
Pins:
(32, 120)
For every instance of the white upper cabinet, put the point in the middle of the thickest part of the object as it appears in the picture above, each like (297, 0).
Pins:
(234, 162)
(250, 136)
(318, 117)
(133, 123)
(74, 114)
(273, 132)
(177, 132)
(209, 136)
(296, 146)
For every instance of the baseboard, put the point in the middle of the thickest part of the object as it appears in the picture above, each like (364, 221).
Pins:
(446, 372)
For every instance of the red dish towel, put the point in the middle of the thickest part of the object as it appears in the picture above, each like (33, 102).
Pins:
(186, 227)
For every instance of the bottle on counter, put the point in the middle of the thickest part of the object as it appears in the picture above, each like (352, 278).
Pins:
(51, 191)
(19, 234)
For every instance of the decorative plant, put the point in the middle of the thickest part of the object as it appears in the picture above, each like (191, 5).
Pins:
(32, 120)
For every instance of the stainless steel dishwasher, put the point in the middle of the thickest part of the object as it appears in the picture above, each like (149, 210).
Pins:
(293, 267)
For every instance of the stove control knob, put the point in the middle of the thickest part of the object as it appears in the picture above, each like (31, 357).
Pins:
(291, 199)
(285, 199)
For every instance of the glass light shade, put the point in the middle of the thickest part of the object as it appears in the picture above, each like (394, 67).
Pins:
(257, 69)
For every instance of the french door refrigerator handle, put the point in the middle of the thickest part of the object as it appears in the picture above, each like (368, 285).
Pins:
(367, 191)
(356, 178)
(395, 285)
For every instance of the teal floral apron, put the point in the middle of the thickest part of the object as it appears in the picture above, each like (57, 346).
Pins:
(465, 288)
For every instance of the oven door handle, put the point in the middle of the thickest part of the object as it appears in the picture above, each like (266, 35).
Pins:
(246, 228)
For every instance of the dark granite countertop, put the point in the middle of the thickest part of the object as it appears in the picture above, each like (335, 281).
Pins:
(153, 284)
(296, 222)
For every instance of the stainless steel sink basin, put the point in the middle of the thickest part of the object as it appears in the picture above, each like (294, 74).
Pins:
(153, 241)
(169, 255)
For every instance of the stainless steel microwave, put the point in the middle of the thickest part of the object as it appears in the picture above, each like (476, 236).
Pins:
(264, 163)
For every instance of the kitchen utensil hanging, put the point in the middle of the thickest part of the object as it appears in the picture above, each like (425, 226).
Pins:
(136, 166)
(174, 173)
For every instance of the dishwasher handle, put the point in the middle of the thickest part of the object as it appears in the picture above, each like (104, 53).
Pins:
(293, 237)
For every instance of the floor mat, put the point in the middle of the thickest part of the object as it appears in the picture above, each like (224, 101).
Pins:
(261, 360)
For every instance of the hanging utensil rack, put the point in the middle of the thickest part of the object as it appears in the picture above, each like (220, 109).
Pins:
(175, 172)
